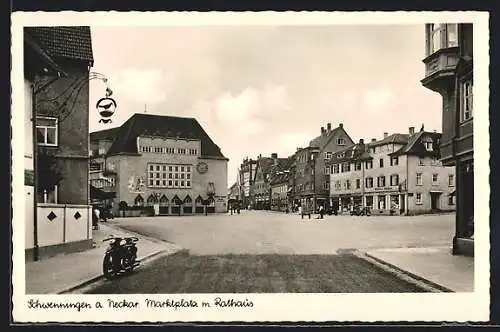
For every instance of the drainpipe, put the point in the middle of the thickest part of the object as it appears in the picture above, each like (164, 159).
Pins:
(35, 174)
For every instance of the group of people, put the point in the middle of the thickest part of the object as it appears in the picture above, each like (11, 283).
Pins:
(99, 214)
(234, 208)
(306, 211)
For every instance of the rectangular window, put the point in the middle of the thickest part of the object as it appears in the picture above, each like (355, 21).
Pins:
(161, 171)
(394, 180)
(336, 168)
(451, 180)
(346, 167)
(381, 162)
(357, 166)
(358, 183)
(48, 195)
(418, 198)
(328, 155)
(47, 131)
(381, 181)
(394, 161)
(451, 200)
(368, 164)
(419, 179)
(466, 102)
(327, 170)
(340, 141)
(369, 182)
(420, 162)
(435, 178)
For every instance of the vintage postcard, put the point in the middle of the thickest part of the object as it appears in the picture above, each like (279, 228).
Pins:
(252, 166)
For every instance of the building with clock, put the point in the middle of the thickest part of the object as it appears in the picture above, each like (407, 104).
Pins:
(162, 164)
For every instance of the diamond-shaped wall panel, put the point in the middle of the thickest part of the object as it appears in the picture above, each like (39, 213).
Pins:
(77, 215)
(51, 216)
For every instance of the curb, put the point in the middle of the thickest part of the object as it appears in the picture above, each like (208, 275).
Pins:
(101, 276)
(403, 274)
(151, 239)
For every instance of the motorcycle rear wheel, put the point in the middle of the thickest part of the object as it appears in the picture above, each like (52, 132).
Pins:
(108, 268)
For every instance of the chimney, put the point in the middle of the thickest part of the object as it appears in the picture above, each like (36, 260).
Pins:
(411, 130)
(322, 130)
(274, 156)
(374, 140)
(341, 125)
(329, 126)
(386, 134)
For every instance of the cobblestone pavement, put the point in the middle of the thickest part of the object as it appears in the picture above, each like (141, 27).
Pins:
(268, 273)
(262, 232)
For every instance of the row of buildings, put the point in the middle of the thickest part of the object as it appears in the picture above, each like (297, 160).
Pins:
(402, 173)
(397, 174)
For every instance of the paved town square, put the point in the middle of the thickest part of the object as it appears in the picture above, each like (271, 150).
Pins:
(281, 252)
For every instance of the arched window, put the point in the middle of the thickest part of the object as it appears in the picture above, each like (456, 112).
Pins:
(163, 200)
(152, 200)
(199, 200)
(139, 201)
(176, 200)
(188, 200)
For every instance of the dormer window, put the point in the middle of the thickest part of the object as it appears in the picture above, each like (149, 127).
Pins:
(328, 155)
(428, 146)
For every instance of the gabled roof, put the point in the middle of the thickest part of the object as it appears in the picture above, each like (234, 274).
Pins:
(264, 164)
(354, 152)
(71, 42)
(415, 145)
(394, 138)
(322, 140)
(158, 125)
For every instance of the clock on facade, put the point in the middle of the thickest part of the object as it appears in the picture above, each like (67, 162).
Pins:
(202, 167)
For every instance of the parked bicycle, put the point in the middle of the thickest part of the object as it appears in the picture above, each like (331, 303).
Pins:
(120, 257)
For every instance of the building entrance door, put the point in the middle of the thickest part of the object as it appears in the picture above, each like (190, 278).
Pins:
(435, 201)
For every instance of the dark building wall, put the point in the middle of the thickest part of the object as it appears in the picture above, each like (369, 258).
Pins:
(68, 99)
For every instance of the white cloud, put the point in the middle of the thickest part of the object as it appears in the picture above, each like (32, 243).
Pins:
(145, 86)
(377, 98)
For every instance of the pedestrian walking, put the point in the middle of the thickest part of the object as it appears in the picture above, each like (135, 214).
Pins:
(321, 212)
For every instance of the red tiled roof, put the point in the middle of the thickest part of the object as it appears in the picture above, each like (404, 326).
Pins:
(73, 42)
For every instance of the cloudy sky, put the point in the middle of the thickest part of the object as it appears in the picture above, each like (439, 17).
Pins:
(264, 89)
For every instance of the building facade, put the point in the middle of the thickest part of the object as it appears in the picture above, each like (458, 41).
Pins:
(279, 183)
(162, 164)
(260, 190)
(449, 72)
(57, 61)
(311, 184)
(246, 176)
(399, 174)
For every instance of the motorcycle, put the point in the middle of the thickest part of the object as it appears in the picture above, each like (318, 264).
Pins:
(120, 257)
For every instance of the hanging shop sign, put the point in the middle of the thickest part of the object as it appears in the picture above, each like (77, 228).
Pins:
(106, 107)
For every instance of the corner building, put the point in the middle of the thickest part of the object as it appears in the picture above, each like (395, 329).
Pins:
(449, 72)
(168, 163)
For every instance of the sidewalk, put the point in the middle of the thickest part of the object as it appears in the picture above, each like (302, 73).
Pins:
(60, 273)
(434, 264)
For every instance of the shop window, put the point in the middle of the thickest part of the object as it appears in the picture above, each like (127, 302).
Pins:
(47, 131)
(369, 201)
(381, 202)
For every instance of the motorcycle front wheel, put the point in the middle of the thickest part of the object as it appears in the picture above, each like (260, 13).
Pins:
(108, 268)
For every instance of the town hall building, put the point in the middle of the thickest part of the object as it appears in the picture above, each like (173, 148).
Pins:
(163, 164)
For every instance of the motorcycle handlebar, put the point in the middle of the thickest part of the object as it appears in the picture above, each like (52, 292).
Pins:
(133, 239)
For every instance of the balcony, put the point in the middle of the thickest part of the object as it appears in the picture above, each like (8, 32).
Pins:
(440, 69)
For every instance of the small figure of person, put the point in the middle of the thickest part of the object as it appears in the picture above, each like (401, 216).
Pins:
(238, 208)
(321, 212)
